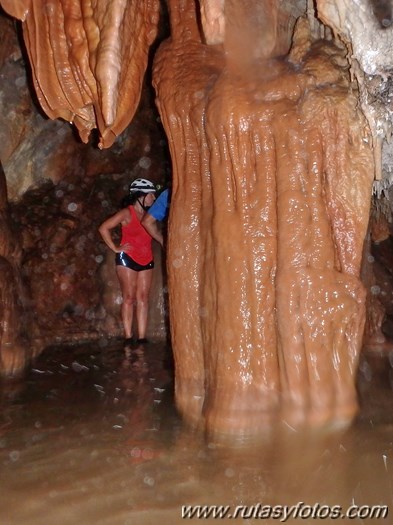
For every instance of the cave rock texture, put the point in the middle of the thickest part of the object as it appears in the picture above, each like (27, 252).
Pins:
(273, 159)
(13, 297)
(88, 58)
(274, 145)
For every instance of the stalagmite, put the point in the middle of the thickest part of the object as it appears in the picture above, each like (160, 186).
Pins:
(271, 194)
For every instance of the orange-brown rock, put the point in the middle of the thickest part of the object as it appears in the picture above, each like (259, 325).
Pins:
(271, 196)
(88, 59)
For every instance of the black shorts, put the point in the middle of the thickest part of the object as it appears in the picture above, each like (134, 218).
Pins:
(122, 259)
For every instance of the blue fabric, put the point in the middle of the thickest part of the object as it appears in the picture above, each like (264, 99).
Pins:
(159, 209)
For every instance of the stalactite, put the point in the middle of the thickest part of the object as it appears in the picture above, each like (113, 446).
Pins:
(88, 59)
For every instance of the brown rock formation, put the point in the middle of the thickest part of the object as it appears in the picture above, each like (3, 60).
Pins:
(375, 309)
(83, 71)
(271, 196)
(13, 320)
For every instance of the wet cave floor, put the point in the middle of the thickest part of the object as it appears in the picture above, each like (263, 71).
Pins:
(90, 436)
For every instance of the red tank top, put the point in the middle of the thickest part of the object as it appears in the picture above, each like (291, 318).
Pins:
(138, 238)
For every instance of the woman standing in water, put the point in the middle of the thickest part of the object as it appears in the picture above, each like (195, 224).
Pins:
(134, 256)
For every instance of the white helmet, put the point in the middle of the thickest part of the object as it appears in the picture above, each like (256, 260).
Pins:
(142, 185)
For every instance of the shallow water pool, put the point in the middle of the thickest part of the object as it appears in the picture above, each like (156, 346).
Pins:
(91, 436)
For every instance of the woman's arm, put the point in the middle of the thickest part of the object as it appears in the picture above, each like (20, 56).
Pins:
(150, 224)
(122, 216)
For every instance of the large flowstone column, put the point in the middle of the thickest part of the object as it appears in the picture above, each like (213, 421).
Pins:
(272, 174)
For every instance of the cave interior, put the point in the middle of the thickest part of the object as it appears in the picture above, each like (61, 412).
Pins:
(69, 150)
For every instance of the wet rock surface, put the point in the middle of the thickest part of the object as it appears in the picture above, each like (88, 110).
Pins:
(273, 158)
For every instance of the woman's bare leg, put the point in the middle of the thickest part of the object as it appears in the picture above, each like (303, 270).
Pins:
(128, 285)
(142, 300)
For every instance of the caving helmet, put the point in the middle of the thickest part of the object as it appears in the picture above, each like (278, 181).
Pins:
(143, 186)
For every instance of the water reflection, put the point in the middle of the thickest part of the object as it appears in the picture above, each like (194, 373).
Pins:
(91, 436)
